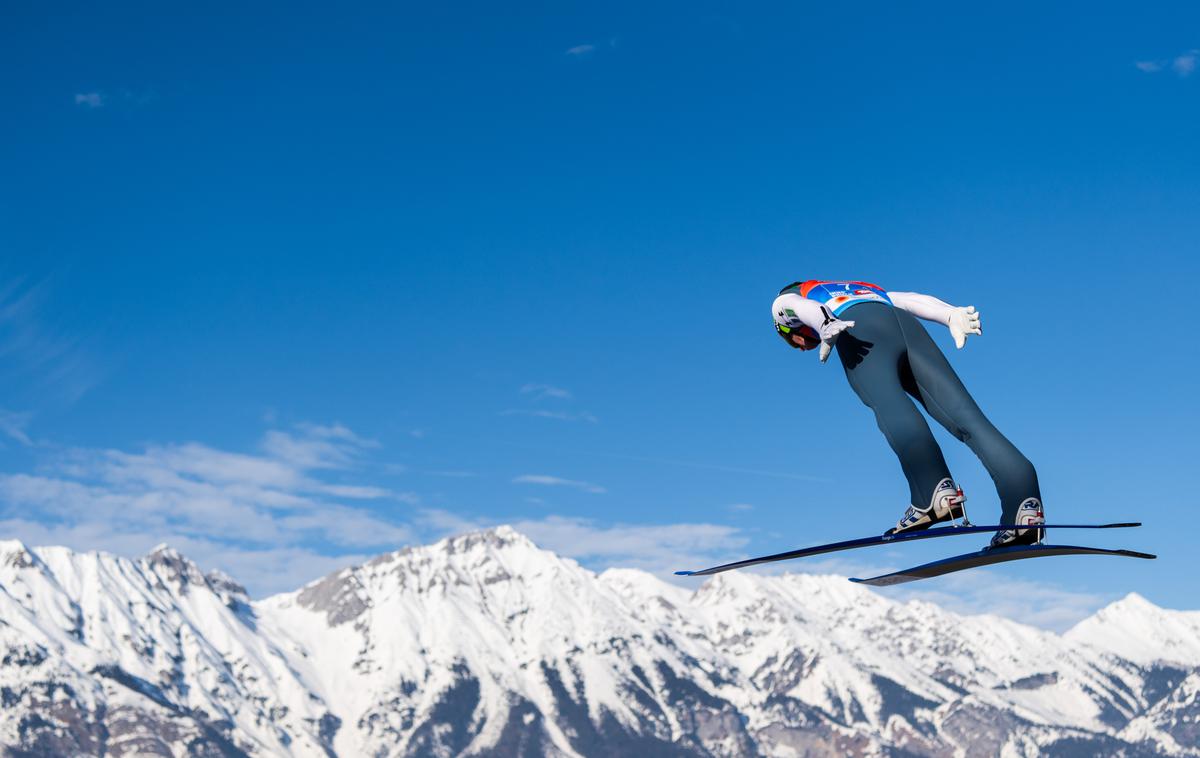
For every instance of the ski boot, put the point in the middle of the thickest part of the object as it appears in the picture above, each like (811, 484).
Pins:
(946, 504)
(1029, 513)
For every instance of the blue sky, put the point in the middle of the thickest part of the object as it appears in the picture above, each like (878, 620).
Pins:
(294, 284)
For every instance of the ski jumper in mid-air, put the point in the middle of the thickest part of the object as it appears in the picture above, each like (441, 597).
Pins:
(890, 361)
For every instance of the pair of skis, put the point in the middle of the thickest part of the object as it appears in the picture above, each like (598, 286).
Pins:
(985, 557)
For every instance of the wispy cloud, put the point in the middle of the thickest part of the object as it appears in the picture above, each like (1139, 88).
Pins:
(1184, 64)
(994, 590)
(658, 548)
(556, 481)
(90, 99)
(280, 516)
(263, 569)
(363, 492)
(121, 97)
(545, 391)
(450, 473)
(589, 49)
(713, 467)
(58, 364)
(211, 502)
(1040, 604)
(537, 394)
(557, 415)
(317, 447)
(443, 523)
(13, 425)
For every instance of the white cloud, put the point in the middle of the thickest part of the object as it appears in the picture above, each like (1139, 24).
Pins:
(580, 51)
(556, 481)
(90, 99)
(741, 507)
(545, 391)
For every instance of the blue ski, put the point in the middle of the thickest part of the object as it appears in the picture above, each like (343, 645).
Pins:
(884, 539)
(989, 557)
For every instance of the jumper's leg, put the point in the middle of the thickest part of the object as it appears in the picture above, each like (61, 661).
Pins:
(942, 393)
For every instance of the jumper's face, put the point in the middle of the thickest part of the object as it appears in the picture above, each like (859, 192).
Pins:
(804, 341)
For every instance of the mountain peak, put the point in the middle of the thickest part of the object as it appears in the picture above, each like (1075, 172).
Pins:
(1127, 608)
(14, 553)
(503, 538)
(1137, 629)
(221, 582)
(170, 564)
(1134, 601)
(497, 536)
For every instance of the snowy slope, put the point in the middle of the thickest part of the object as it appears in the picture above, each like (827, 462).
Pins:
(131, 655)
(504, 641)
(1135, 629)
(486, 644)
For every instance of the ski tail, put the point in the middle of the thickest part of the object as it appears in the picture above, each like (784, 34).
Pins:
(990, 557)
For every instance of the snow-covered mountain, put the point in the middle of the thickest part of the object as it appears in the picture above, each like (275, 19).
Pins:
(484, 644)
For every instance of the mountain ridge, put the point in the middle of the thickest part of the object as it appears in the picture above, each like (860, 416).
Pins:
(484, 643)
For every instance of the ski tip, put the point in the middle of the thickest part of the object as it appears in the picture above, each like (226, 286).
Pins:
(857, 581)
(684, 573)
(1123, 525)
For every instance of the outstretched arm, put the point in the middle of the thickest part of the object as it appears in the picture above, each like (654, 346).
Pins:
(791, 310)
(961, 321)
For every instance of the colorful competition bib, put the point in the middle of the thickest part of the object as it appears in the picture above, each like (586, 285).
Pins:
(838, 296)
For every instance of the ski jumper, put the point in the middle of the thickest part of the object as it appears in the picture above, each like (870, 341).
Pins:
(890, 361)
